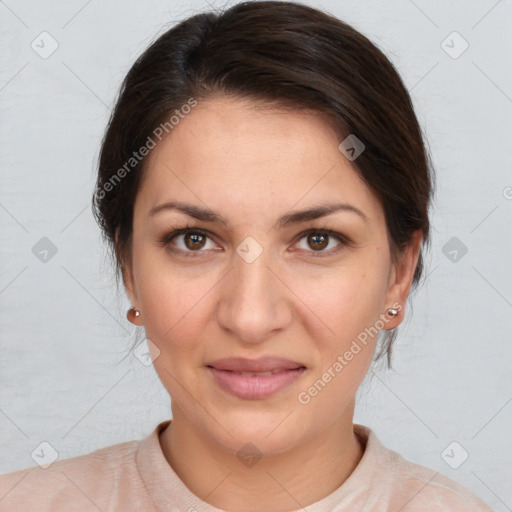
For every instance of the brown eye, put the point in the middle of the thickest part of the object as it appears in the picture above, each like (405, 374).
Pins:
(194, 241)
(188, 242)
(322, 242)
(318, 241)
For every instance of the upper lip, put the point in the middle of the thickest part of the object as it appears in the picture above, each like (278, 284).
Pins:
(262, 364)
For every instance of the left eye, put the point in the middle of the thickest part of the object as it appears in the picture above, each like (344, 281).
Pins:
(320, 241)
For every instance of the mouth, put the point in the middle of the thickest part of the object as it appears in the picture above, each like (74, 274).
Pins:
(254, 379)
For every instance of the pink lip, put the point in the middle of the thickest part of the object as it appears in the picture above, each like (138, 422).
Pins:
(226, 374)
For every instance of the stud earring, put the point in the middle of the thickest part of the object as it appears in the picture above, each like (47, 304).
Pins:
(392, 312)
(131, 314)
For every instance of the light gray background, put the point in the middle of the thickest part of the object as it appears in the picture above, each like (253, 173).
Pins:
(63, 378)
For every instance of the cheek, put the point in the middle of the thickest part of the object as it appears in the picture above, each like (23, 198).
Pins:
(342, 303)
(173, 298)
(345, 343)
(173, 312)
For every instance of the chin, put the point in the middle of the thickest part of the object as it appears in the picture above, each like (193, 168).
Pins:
(269, 434)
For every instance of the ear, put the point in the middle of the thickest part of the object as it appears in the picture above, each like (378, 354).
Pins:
(400, 280)
(128, 279)
(128, 282)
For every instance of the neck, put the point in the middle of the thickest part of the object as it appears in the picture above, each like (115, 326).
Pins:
(288, 481)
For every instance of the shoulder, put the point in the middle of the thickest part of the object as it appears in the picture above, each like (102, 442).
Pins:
(86, 481)
(408, 486)
(427, 489)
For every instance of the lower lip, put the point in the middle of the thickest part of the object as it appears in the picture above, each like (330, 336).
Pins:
(255, 387)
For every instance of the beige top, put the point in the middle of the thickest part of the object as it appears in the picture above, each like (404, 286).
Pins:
(135, 477)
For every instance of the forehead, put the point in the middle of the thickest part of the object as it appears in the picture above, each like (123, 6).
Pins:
(236, 156)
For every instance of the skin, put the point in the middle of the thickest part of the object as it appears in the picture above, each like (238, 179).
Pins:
(252, 165)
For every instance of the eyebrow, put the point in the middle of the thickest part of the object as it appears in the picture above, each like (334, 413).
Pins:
(208, 215)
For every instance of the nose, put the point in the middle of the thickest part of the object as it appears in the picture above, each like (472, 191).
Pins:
(254, 304)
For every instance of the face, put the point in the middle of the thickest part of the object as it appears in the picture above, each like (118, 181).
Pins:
(262, 281)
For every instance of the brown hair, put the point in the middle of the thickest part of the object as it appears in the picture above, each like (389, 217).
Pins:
(287, 55)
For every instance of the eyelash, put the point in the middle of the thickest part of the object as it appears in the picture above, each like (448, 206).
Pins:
(344, 241)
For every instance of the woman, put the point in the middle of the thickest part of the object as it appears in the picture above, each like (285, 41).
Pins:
(264, 187)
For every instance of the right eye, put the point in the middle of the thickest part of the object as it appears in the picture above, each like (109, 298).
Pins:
(185, 241)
